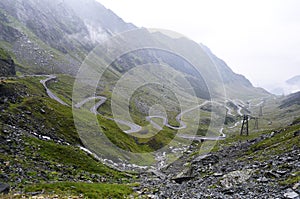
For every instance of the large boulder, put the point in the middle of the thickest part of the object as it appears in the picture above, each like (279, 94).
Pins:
(4, 188)
(7, 65)
(290, 194)
(235, 178)
(206, 159)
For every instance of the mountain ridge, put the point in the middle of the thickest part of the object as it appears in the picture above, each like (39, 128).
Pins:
(292, 85)
(174, 81)
(52, 34)
(294, 80)
(56, 36)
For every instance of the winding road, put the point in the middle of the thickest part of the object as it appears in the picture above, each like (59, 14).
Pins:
(178, 119)
(50, 93)
(134, 127)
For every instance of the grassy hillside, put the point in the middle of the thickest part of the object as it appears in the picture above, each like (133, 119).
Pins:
(3, 54)
(29, 108)
(30, 118)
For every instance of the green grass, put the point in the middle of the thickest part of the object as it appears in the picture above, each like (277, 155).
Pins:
(281, 143)
(278, 144)
(232, 138)
(71, 156)
(88, 190)
(3, 54)
(274, 117)
(63, 87)
(30, 85)
(45, 161)
(61, 118)
(291, 180)
(121, 139)
(135, 143)
(57, 119)
(296, 121)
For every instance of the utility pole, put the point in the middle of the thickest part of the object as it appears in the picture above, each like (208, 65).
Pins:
(245, 125)
(226, 114)
(260, 111)
(256, 123)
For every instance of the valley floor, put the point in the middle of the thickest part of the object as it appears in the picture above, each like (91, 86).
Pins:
(40, 157)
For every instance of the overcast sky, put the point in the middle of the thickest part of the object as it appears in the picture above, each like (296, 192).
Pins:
(257, 38)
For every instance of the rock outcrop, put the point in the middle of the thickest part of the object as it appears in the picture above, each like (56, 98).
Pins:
(7, 65)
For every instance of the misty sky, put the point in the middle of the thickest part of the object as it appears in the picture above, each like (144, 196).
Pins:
(257, 38)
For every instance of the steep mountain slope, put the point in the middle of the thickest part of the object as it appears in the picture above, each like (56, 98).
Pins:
(39, 142)
(236, 85)
(42, 152)
(54, 36)
(227, 74)
(98, 19)
(291, 100)
(36, 130)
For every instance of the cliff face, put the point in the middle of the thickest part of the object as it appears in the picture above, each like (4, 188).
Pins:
(7, 65)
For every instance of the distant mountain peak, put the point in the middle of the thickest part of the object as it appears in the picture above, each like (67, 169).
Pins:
(291, 85)
(294, 80)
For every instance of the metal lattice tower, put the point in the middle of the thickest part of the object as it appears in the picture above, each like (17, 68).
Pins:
(245, 125)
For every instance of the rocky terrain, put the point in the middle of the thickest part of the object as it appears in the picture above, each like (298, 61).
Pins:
(33, 132)
(235, 171)
(34, 151)
(263, 165)
(55, 35)
(43, 156)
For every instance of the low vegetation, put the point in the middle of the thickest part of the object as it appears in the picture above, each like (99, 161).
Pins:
(3, 54)
(67, 190)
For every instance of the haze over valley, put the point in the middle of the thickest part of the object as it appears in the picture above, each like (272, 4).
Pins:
(94, 106)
